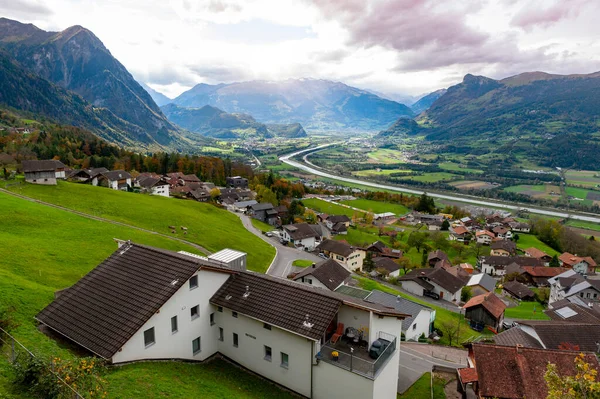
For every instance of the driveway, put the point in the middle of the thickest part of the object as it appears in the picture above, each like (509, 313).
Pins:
(285, 256)
(416, 359)
(437, 302)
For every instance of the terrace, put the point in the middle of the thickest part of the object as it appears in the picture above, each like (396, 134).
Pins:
(354, 355)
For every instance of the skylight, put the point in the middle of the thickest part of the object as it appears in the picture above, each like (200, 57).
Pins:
(566, 312)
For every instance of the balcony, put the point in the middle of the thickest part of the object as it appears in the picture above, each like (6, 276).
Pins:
(355, 357)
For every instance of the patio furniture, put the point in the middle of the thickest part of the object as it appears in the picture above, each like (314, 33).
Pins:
(338, 333)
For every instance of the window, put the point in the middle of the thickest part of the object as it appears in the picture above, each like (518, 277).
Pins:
(234, 314)
(195, 312)
(174, 324)
(581, 294)
(220, 334)
(220, 309)
(414, 326)
(149, 337)
(595, 296)
(588, 295)
(196, 346)
(235, 340)
(266, 326)
(194, 282)
(309, 281)
(267, 353)
(212, 319)
(285, 360)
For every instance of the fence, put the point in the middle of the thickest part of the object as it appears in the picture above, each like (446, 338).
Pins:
(16, 352)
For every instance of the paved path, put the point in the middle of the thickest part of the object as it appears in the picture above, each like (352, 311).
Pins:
(284, 257)
(86, 215)
(469, 200)
(416, 359)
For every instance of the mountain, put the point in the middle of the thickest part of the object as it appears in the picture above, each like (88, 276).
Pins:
(159, 98)
(76, 60)
(403, 126)
(210, 121)
(316, 104)
(425, 102)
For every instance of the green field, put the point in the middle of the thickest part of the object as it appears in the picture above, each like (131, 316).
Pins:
(586, 178)
(422, 388)
(584, 225)
(385, 156)
(434, 177)
(451, 166)
(329, 208)
(577, 192)
(377, 206)
(381, 172)
(529, 240)
(525, 311)
(522, 188)
(302, 263)
(208, 226)
(262, 226)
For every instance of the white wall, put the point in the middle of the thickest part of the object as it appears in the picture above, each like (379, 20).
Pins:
(386, 382)
(352, 317)
(447, 295)
(413, 287)
(250, 351)
(422, 322)
(161, 190)
(333, 382)
(310, 280)
(179, 345)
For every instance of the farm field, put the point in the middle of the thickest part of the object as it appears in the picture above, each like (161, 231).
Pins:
(386, 156)
(451, 166)
(529, 240)
(584, 225)
(434, 177)
(540, 191)
(381, 172)
(586, 178)
(208, 226)
(473, 184)
(327, 207)
(376, 206)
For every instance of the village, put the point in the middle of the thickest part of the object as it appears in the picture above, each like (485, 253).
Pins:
(348, 289)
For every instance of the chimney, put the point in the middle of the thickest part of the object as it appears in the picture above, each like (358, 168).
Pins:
(519, 347)
(314, 265)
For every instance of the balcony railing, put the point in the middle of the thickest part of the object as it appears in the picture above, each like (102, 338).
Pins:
(355, 358)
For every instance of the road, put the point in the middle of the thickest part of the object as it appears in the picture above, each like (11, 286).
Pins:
(284, 257)
(413, 362)
(287, 159)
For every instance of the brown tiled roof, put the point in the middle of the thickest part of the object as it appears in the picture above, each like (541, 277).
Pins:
(489, 301)
(582, 314)
(300, 231)
(555, 333)
(467, 375)
(386, 263)
(437, 254)
(338, 219)
(543, 271)
(438, 276)
(506, 245)
(460, 230)
(103, 310)
(570, 259)
(500, 230)
(535, 253)
(42, 166)
(337, 247)
(503, 261)
(518, 290)
(516, 373)
(516, 336)
(116, 175)
(485, 233)
(329, 273)
(190, 178)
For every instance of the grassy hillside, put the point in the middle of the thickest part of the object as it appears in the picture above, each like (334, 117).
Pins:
(327, 207)
(207, 225)
(377, 206)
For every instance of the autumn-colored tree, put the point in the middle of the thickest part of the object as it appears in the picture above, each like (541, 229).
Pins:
(583, 385)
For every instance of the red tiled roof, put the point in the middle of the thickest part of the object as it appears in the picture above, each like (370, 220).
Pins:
(543, 271)
(460, 230)
(535, 253)
(467, 375)
(489, 301)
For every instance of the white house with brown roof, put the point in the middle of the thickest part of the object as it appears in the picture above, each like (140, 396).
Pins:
(484, 237)
(301, 235)
(43, 171)
(344, 253)
(327, 274)
(582, 265)
(433, 280)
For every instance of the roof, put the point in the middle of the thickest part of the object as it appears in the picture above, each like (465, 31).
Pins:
(330, 273)
(439, 254)
(460, 230)
(400, 304)
(500, 230)
(553, 333)
(339, 227)
(536, 253)
(484, 280)
(300, 231)
(467, 375)
(338, 219)
(245, 204)
(484, 233)
(511, 372)
(438, 276)
(337, 247)
(41, 166)
(191, 177)
(490, 302)
(518, 290)
(506, 245)
(148, 182)
(116, 175)
(226, 255)
(353, 291)
(565, 274)
(571, 259)
(104, 309)
(503, 261)
(262, 207)
(386, 263)
(543, 271)
(516, 336)
(573, 312)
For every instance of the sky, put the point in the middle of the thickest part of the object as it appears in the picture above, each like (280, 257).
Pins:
(400, 48)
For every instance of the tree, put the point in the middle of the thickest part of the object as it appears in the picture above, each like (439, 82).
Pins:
(459, 247)
(369, 217)
(426, 204)
(215, 193)
(368, 263)
(439, 240)
(582, 385)
(424, 258)
(516, 237)
(404, 263)
(542, 295)
(554, 261)
(466, 293)
(417, 239)
(310, 216)
(445, 225)
(450, 328)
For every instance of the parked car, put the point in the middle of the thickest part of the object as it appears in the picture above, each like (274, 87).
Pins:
(431, 294)
(323, 256)
(378, 347)
(269, 234)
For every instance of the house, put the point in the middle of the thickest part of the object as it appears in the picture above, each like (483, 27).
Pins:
(282, 212)
(467, 222)
(421, 318)
(153, 185)
(518, 291)
(237, 182)
(485, 310)
(436, 256)
(334, 220)
(502, 233)
(43, 172)
(580, 264)
(538, 275)
(301, 235)
(242, 206)
(520, 227)
(433, 280)
(116, 180)
(351, 257)
(514, 372)
(484, 237)
(459, 233)
(86, 175)
(191, 308)
(383, 217)
(328, 275)
(574, 310)
(538, 254)
(552, 334)
(189, 179)
(467, 267)
(456, 271)
(570, 283)
(197, 192)
(503, 248)
(496, 265)
(387, 264)
(379, 249)
(481, 284)
(264, 212)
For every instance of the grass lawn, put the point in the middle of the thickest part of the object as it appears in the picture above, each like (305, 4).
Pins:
(441, 315)
(422, 388)
(529, 240)
(433, 177)
(302, 263)
(525, 311)
(381, 172)
(209, 226)
(377, 206)
(327, 207)
(451, 166)
(361, 236)
(262, 226)
(522, 188)
(584, 225)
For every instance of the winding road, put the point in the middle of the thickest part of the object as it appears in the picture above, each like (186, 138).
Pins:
(469, 200)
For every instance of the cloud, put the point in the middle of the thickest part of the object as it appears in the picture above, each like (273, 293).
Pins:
(25, 8)
(535, 14)
(218, 73)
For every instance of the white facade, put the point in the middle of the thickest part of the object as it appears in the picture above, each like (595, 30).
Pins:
(417, 289)
(162, 190)
(413, 287)
(178, 345)
(308, 243)
(420, 325)
(311, 280)
(484, 239)
(491, 270)
(352, 262)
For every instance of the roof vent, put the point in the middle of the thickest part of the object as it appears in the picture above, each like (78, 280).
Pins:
(398, 299)
(247, 293)
(306, 323)
(174, 282)
(228, 297)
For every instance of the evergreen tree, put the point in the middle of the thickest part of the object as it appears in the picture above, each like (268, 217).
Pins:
(368, 263)
(554, 261)
(445, 225)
